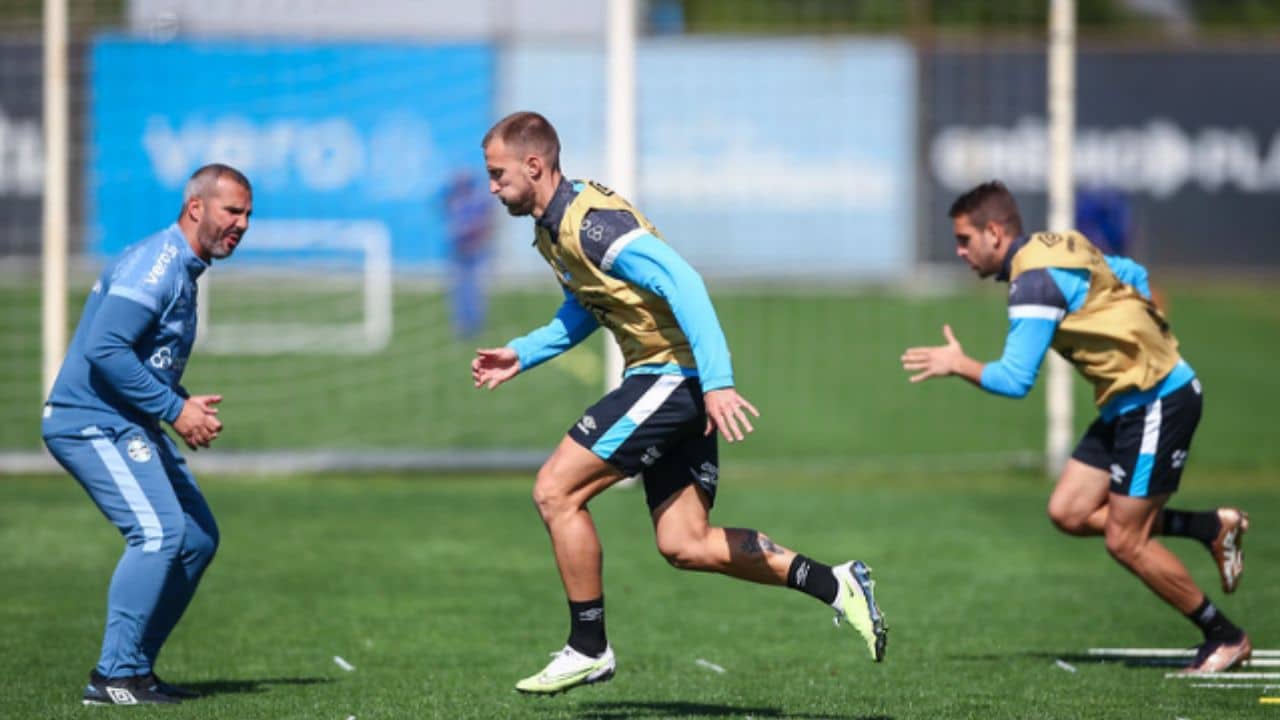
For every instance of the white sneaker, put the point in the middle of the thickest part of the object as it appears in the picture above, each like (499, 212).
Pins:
(856, 602)
(569, 669)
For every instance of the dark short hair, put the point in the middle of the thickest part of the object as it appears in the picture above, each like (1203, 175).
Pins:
(989, 202)
(205, 179)
(528, 131)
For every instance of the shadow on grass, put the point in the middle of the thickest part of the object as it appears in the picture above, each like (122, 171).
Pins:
(633, 709)
(227, 687)
(1078, 658)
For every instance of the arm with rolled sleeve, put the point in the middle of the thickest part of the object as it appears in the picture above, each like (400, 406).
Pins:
(120, 322)
(571, 325)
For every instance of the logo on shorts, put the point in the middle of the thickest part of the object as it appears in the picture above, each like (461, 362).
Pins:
(587, 425)
(1117, 474)
(138, 449)
(709, 475)
(1178, 459)
(651, 455)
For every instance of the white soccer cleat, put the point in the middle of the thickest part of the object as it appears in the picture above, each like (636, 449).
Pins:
(569, 669)
(856, 603)
(1228, 546)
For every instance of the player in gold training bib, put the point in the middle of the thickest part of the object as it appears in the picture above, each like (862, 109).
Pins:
(678, 389)
(1096, 311)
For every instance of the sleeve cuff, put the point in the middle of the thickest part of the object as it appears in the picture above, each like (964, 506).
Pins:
(172, 412)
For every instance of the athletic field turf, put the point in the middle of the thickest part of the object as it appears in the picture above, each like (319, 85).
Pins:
(441, 592)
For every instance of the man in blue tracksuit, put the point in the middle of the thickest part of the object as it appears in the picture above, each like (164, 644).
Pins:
(102, 423)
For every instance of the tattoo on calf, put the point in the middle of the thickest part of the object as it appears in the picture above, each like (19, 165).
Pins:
(757, 543)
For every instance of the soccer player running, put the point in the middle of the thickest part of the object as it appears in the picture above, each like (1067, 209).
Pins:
(1096, 311)
(677, 391)
(120, 378)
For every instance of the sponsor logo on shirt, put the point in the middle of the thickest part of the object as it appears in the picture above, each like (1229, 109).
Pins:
(162, 358)
(162, 263)
(587, 425)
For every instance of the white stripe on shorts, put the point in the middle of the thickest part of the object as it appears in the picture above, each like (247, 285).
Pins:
(1151, 428)
(653, 398)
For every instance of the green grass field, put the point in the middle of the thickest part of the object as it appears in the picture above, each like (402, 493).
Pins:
(821, 365)
(441, 592)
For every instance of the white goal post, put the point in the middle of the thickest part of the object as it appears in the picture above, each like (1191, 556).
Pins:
(1061, 183)
(369, 239)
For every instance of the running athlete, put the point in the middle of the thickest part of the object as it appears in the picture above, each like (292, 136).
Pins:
(678, 389)
(1096, 311)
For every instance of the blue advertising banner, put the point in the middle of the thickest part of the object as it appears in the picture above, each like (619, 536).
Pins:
(761, 158)
(326, 132)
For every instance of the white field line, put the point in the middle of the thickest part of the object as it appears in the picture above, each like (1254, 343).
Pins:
(1229, 686)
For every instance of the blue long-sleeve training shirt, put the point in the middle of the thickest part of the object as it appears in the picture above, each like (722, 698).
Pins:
(618, 245)
(1038, 300)
(134, 337)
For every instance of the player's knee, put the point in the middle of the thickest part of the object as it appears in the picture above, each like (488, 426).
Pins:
(1124, 545)
(1067, 518)
(683, 552)
(549, 497)
(200, 544)
(163, 535)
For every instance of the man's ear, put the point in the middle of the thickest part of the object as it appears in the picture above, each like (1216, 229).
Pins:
(195, 209)
(999, 231)
(533, 167)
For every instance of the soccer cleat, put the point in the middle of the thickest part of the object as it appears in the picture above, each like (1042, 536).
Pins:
(569, 669)
(1214, 657)
(856, 603)
(173, 690)
(1228, 546)
(133, 690)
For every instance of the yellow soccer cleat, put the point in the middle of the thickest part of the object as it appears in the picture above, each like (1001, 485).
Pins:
(856, 603)
(569, 669)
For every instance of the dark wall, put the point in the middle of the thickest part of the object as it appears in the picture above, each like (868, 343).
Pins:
(1189, 140)
(22, 144)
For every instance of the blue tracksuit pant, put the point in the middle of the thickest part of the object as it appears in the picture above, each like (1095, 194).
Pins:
(143, 486)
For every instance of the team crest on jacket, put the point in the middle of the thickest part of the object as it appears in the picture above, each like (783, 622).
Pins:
(138, 449)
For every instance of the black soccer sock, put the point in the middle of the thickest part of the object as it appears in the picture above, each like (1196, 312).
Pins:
(812, 578)
(1214, 624)
(1202, 526)
(586, 627)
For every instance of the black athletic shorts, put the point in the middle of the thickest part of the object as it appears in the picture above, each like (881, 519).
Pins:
(653, 424)
(1145, 448)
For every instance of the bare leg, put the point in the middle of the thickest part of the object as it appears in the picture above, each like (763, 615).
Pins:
(689, 542)
(566, 483)
(1128, 531)
(1078, 505)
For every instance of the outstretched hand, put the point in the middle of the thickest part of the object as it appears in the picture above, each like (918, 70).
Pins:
(725, 410)
(936, 361)
(494, 366)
